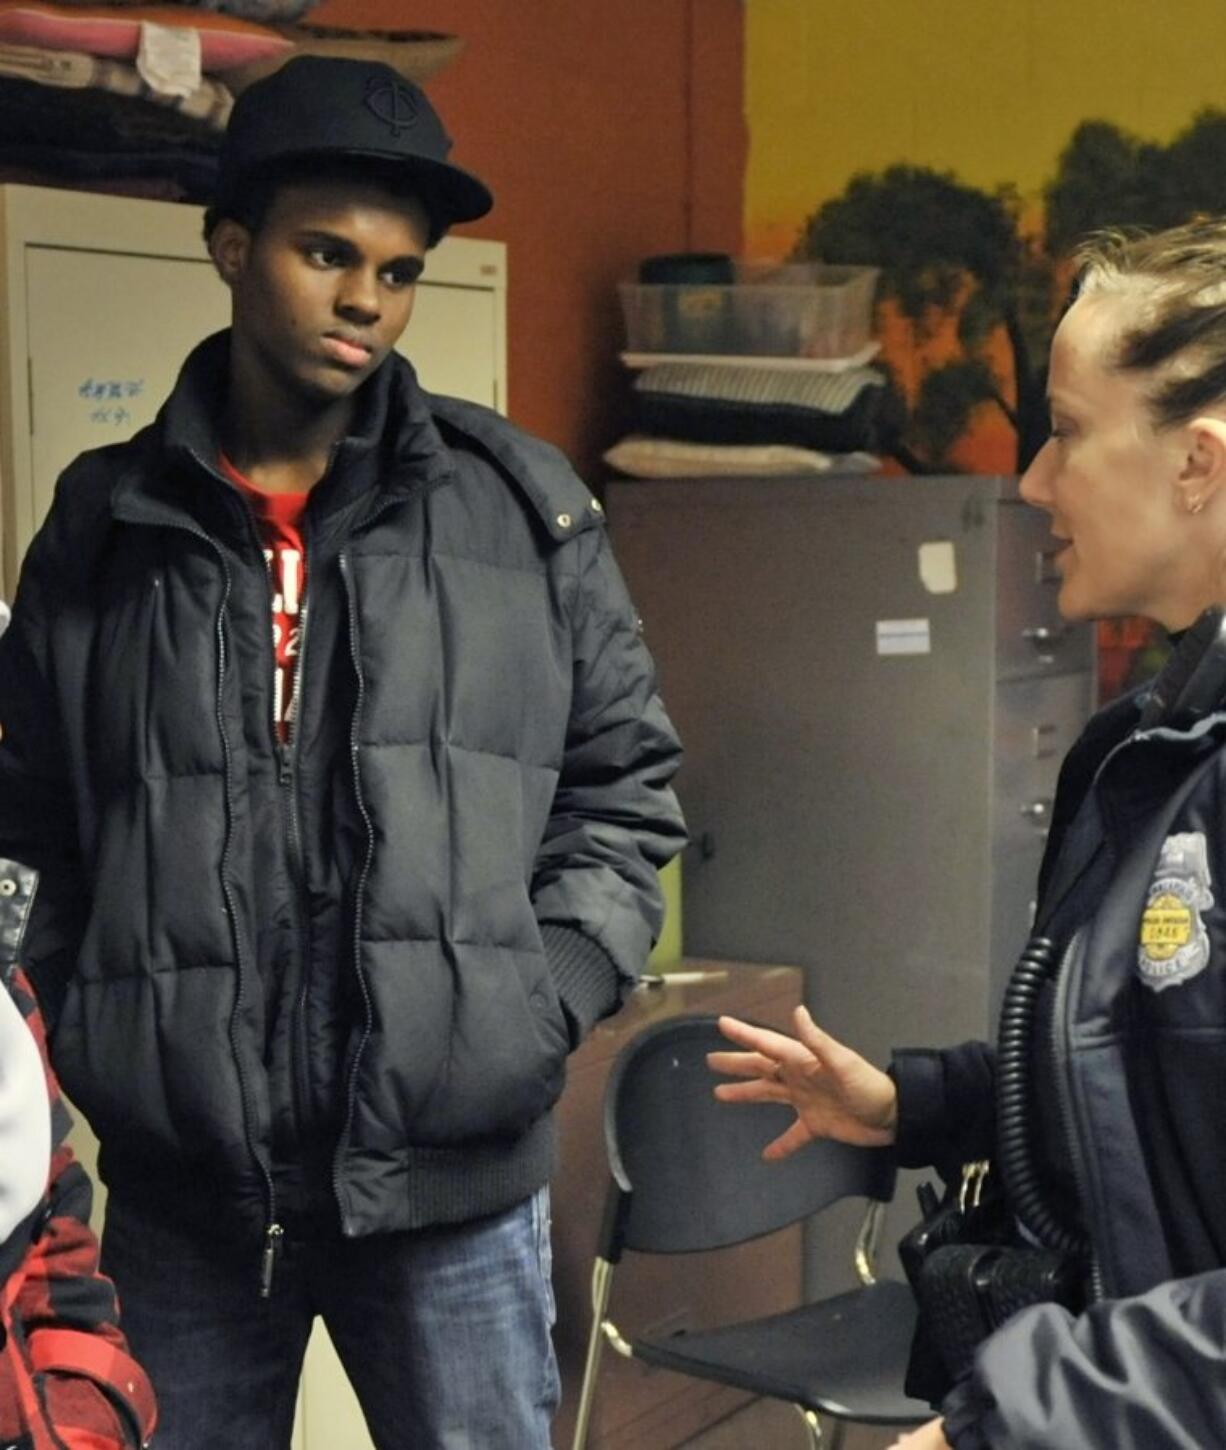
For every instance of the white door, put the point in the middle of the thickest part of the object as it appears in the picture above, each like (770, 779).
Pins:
(107, 336)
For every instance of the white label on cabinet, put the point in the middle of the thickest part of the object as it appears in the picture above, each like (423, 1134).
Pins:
(938, 567)
(903, 637)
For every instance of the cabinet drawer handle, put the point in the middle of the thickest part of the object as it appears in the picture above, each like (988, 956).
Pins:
(1046, 640)
(1044, 634)
(1037, 810)
(1044, 741)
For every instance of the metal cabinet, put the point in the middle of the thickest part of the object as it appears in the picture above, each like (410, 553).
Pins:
(874, 689)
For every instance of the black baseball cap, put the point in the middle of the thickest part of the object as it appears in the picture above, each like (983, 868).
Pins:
(325, 106)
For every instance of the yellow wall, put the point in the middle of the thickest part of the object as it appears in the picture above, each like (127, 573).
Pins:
(991, 92)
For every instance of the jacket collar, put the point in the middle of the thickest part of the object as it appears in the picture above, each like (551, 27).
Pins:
(393, 449)
(542, 475)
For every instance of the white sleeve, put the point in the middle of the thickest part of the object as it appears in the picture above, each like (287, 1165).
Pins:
(25, 1119)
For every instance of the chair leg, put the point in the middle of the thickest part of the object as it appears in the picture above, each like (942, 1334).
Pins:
(812, 1424)
(602, 1283)
(837, 1432)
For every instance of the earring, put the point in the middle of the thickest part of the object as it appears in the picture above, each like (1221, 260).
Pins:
(1195, 505)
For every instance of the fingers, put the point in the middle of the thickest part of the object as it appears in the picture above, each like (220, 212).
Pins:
(819, 1043)
(741, 1064)
(760, 1090)
(810, 1041)
(787, 1143)
(773, 1048)
(775, 1045)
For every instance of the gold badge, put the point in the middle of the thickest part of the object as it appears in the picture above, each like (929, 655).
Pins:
(1174, 945)
(1166, 926)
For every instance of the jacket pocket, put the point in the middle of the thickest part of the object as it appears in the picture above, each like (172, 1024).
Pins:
(507, 1063)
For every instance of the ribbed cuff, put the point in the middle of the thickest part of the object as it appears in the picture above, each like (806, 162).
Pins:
(921, 1131)
(587, 981)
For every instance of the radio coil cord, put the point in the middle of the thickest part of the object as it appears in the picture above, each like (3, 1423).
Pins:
(1036, 966)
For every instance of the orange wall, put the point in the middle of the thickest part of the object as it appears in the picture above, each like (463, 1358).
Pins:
(607, 131)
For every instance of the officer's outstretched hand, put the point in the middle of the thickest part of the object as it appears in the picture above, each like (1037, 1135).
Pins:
(928, 1437)
(835, 1092)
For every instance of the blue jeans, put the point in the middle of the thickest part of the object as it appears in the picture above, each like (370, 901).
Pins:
(444, 1333)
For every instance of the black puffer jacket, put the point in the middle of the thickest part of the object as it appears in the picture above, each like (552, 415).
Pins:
(354, 967)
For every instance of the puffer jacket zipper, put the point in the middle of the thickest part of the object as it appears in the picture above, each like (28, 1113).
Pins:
(287, 774)
(273, 1232)
(359, 892)
(285, 753)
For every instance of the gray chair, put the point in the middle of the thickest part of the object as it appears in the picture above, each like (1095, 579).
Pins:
(687, 1175)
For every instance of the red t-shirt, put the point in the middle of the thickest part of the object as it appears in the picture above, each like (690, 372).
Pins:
(278, 518)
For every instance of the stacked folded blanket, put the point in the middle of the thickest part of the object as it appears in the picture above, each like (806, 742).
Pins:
(697, 419)
(135, 97)
(208, 101)
(642, 457)
(92, 94)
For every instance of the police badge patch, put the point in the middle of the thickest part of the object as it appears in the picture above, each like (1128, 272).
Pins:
(1174, 944)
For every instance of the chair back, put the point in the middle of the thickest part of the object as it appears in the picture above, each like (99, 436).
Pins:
(691, 1167)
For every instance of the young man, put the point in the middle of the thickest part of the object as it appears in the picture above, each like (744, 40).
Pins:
(328, 723)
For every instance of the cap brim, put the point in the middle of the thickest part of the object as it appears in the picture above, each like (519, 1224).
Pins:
(453, 194)
(464, 198)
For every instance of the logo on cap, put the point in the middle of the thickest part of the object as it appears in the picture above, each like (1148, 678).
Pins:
(393, 104)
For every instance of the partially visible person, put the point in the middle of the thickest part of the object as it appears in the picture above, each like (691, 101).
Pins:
(67, 1381)
(1112, 1150)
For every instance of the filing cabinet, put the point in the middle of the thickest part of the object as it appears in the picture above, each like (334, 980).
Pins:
(875, 690)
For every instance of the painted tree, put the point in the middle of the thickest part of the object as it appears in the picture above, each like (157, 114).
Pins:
(949, 251)
(1107, 178)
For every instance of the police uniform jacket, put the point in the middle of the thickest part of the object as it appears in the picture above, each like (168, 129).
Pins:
(1129, 1099)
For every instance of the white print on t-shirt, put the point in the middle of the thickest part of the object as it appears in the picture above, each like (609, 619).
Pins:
(283, 674)
(285, 571)
(289, 565)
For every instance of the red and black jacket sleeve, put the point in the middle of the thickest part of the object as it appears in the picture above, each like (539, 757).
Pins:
(95, 1396)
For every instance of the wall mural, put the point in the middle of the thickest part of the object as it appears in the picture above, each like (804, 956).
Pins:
(972, 284)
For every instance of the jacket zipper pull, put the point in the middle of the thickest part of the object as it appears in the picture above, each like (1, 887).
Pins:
(273, 1237)
(285, 764)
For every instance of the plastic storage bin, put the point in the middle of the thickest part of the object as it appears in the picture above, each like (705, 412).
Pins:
(802, 310)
